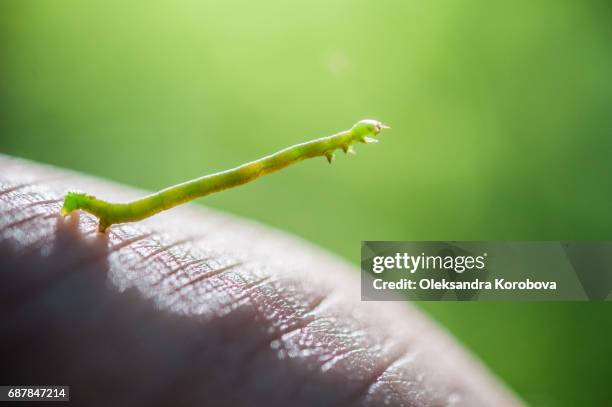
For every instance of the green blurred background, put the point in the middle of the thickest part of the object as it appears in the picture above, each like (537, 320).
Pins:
(501, 115)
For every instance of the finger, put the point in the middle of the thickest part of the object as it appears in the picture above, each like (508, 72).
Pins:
(196, 307)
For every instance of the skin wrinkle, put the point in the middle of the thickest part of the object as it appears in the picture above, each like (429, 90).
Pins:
(245, 361)
(36, 241)
(35, 198)
(168, 248)
(192, 300)
(410, 375)
(172, 289)
(197, 353)
(178, 254)
(33, 190)
(298, 324)
(159, 262)
(21, 250)
(375, 378)
(27, 219)
(5, 191)
(383, 381)
(161, 250)
(180, 268)
(190, 261)
(350, 344)
(301, 319)
(40, 203)
(288, 313)
(58, 274)
(113, 248)
(34, 202)
(158, 256)
(204, 276)
(21, 185)
(38, 245)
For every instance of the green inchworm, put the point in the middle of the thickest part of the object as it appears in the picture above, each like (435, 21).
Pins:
(112, 213)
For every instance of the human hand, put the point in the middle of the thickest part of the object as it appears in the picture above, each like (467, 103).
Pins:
(193, 307)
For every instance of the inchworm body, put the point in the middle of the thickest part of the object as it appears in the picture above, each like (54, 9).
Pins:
(113, 213)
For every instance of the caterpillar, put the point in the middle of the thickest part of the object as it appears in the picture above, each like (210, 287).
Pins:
(113, 213)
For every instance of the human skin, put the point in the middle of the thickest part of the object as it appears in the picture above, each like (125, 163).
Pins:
(197, 308)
